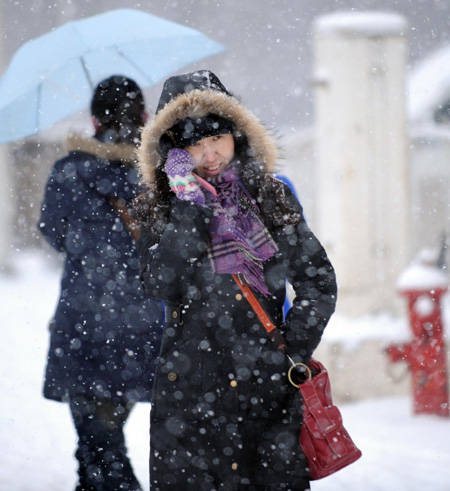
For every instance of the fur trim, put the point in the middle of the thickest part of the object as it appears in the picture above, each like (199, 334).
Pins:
(200, 103)
(107, 151)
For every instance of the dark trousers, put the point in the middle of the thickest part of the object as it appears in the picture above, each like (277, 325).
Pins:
(101, 452)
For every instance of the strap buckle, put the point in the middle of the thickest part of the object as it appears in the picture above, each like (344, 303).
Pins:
(295, 365)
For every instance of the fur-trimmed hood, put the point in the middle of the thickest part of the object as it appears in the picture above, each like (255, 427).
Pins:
(199, 103)
(118, 152)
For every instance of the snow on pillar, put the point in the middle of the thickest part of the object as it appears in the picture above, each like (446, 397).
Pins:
(360, 68)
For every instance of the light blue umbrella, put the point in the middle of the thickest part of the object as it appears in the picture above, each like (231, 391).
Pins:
(53, 76)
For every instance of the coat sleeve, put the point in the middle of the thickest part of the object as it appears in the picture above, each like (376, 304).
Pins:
(168, 261)
(55, 207)
(312, 276)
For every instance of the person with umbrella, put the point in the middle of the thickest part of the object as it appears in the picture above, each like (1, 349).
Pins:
(215, 219)
(105, 333)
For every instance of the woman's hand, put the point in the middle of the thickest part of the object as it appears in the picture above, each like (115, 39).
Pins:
(179, 169)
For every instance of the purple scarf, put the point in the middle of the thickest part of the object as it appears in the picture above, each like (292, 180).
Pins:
(240, 241)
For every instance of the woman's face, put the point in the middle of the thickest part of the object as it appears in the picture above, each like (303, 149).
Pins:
(212, 155)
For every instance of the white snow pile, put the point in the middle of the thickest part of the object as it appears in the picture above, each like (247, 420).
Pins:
(423, 274)
(401, 452)
(367, 23)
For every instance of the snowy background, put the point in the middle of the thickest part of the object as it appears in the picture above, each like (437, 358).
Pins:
(401, 452)
(273, 72)
(269, 61)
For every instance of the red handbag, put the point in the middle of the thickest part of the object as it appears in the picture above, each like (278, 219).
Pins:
(324, 440)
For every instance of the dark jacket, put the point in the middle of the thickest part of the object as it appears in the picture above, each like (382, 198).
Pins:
(105, 333)
(223, 413)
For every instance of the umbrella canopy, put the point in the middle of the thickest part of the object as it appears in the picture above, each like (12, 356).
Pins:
(53, 76)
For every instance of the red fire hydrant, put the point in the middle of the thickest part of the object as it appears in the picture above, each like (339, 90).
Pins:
(423, 285)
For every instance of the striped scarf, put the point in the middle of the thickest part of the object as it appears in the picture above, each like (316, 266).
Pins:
(240, 243)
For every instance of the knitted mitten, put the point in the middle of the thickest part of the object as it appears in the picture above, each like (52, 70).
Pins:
(179, 167)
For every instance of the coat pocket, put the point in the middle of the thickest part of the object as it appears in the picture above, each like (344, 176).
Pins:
(178, 382)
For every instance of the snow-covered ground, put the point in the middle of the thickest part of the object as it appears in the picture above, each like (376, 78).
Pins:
(401, 452)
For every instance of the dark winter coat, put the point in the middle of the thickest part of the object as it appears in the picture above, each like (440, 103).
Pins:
(105, 333)
(223, 413)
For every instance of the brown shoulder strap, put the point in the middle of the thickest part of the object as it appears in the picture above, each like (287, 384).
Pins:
(272, 331)
(130, 223)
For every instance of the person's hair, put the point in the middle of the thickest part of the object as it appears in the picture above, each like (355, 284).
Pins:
(118, 106)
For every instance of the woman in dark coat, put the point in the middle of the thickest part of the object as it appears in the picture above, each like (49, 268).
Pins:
(224, 416)
(105, 334)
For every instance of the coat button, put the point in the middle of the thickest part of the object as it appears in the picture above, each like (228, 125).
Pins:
(234, 466)
(238, 296)
(174, 314)
(233, 383)
(172, 376)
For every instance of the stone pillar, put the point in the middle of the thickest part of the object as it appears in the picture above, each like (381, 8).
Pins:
(363, 210)
(6, 184)
(6, 206)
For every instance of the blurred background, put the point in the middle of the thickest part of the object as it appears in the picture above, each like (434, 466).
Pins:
(271, 63)
(357, 94)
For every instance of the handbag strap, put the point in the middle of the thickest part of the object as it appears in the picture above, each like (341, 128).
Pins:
(272, 331)
(128, 220)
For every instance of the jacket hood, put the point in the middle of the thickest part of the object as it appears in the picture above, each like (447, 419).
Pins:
(126, 154)
(197, 95)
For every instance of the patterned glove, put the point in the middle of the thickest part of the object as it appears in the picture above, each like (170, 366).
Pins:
(179, 167)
